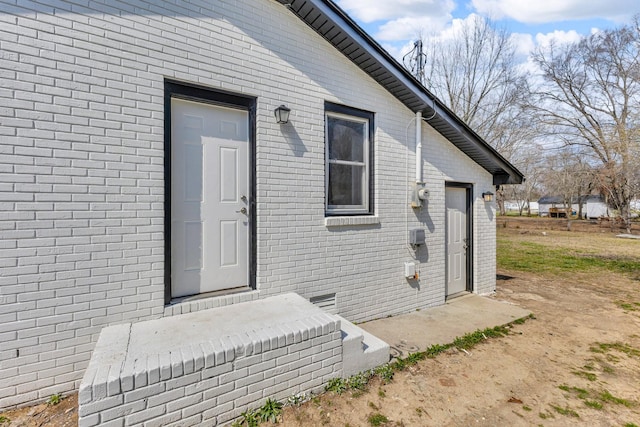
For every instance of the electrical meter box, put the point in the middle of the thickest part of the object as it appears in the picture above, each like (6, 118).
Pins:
(416, 237)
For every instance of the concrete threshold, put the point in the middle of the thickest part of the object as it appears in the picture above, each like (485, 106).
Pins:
(420, 330)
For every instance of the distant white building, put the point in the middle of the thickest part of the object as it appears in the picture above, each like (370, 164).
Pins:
(516, 205)
(593, 206)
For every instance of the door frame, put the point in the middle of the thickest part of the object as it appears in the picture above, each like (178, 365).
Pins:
(469, 215)
(205, 95)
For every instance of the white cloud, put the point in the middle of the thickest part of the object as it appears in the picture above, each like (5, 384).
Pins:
(370, 11)
(523, 42)
(410, 27)
(540, 11)
(559, 37)
(401, 20)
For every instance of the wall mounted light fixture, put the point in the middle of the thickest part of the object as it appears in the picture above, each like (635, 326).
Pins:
(487, 196)
(282, 114)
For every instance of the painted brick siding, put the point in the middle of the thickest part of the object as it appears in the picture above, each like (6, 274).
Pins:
(82, 176)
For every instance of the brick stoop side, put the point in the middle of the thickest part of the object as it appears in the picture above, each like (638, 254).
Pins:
(211, 381)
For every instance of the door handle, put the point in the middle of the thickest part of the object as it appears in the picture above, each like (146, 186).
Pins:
(243, 210)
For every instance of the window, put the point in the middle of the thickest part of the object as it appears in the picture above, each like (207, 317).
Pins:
(348, 164)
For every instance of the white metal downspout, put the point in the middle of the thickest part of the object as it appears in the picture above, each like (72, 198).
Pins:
(419, 147)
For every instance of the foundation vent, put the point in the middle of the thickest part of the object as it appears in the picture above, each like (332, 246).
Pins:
(326, 302)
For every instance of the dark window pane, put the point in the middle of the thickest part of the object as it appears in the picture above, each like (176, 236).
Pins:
(345, 185)
(346, 139)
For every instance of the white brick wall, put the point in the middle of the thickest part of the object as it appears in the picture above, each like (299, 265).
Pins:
(82, 176)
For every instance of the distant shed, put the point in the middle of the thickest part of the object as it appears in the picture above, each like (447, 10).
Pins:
(596, 207)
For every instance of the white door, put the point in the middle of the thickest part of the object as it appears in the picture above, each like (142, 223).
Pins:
(209, 198)
(457, 240)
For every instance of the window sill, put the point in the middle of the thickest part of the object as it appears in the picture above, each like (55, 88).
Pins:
(341, 221)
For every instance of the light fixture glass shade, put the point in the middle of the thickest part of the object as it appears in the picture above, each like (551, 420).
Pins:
(487, 196)
(282, 114)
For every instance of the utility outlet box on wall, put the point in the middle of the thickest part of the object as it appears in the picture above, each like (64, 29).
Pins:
(416, 237)
(410, 270)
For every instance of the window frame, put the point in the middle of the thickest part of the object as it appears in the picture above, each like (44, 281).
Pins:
(358, 116)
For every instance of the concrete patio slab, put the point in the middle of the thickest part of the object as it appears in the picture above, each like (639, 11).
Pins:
(441, 325)
(628, 236)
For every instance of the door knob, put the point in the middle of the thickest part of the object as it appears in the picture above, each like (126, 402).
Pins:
(243, 210)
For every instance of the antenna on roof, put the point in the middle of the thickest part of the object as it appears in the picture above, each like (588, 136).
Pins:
(415, 60)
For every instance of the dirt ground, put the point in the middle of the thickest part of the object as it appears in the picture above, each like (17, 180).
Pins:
(64, 414)
(576, 363)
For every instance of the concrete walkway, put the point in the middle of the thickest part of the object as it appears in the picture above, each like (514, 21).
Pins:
(628, 236)
(418, 331)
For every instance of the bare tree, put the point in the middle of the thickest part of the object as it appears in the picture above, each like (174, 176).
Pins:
(476, 74)
(532, 163)
(568, 175)
(590, 98)
(558, 179)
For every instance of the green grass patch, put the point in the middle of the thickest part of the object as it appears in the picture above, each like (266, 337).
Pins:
(54, 399)
(587, 375)
(464, 342)
(539, 258)
(359, 381)
(377, 419)
(618, 346)
(435, 350)
(385, 373)
(580, 392)
(593, 404)
(472, 339)
(269, 412)
(247, 419)
(628, 306)
(594, 399)
(337, 385)
(605, 396)
(566, 411)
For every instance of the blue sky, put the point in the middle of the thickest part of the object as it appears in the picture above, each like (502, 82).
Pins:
(396, 23)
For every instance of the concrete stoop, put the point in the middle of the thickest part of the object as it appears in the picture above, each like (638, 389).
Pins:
(207, 367)
(360, 349)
